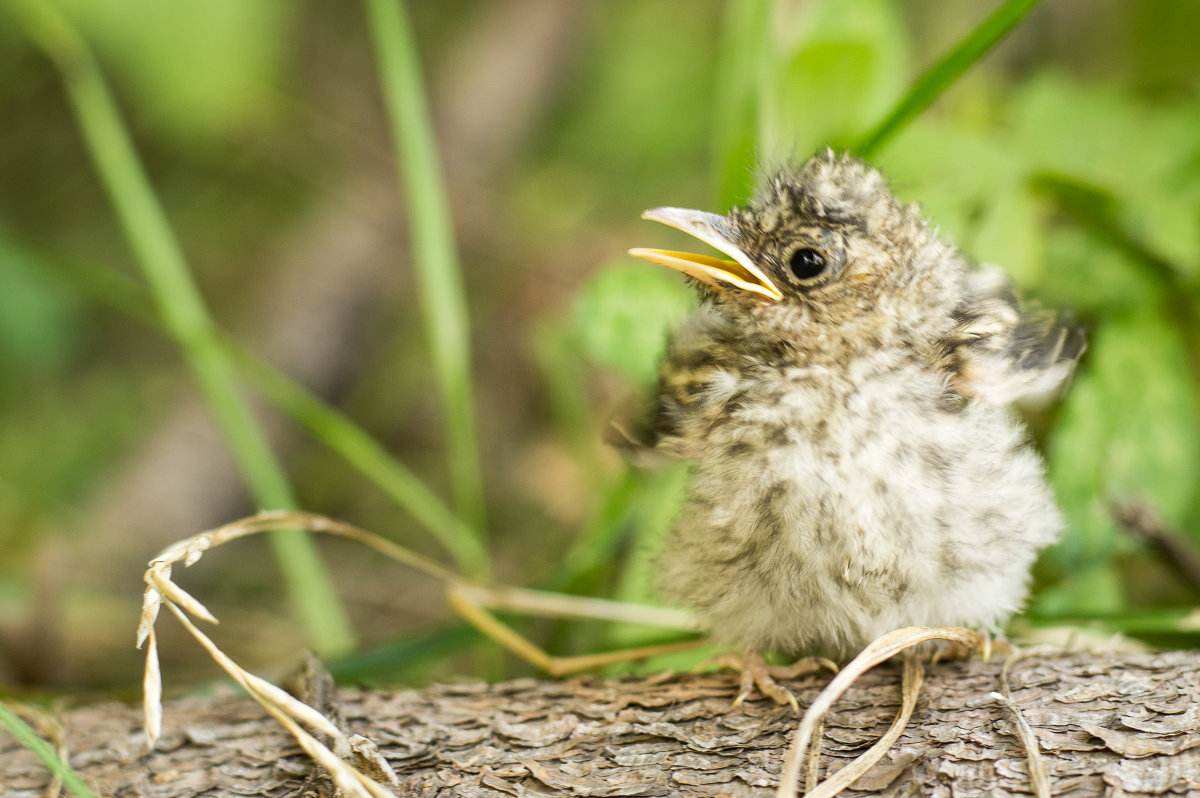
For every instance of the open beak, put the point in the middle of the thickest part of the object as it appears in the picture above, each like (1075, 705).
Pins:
(741, 272)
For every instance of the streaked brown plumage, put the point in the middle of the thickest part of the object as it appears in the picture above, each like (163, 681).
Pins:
(842, 394)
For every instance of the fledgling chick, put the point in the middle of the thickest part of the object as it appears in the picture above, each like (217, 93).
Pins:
(842, 394)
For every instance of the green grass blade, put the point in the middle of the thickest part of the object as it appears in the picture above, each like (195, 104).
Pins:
(289, 397)
(943, 74)
(439, 283)
(366, 454)
(48, 756)
(736, 131)
(185, 316)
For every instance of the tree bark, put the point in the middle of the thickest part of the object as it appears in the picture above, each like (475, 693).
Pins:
(1108, 724)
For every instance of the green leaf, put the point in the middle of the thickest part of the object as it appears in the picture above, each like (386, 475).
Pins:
(1141, 154)
(819, 90)
(839, 65)
(1127, 428)
(1009, 233)
(1090, 276)
(956, 174)
(623, 316)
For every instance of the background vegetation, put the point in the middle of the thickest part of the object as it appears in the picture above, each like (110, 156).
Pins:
(1070, 155)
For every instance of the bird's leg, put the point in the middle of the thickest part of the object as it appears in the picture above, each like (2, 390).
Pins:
(950, 650)
(985, 646)
(755, 672)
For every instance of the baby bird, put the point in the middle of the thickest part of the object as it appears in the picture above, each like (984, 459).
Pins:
(843, 397)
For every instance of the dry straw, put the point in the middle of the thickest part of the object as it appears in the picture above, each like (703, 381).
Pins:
(301, 720)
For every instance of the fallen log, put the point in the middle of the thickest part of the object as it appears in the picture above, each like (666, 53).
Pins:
(1106, 724)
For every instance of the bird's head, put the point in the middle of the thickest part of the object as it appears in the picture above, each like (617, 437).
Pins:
(823, 244)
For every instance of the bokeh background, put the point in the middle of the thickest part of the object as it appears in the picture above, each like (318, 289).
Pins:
(1070, 155)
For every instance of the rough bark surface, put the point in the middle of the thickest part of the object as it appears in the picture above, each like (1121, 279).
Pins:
(1113, 724)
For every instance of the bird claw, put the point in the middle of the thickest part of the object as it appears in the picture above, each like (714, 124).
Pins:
(755, 672)
(984, 646)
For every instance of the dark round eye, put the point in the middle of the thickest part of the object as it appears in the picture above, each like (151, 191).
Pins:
(806, 263)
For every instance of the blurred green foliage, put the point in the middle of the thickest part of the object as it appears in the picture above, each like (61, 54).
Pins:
(623, 315)
(1070, 155)
(39, 316)
(203, 70)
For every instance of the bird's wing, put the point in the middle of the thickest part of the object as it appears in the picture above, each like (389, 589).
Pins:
(632, 433)
(1001, 353)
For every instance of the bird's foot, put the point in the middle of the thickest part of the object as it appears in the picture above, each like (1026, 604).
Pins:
(950, 650)
(756, 672)
(984, 646)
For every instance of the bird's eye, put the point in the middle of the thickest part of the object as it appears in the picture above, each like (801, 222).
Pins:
(806, 263)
